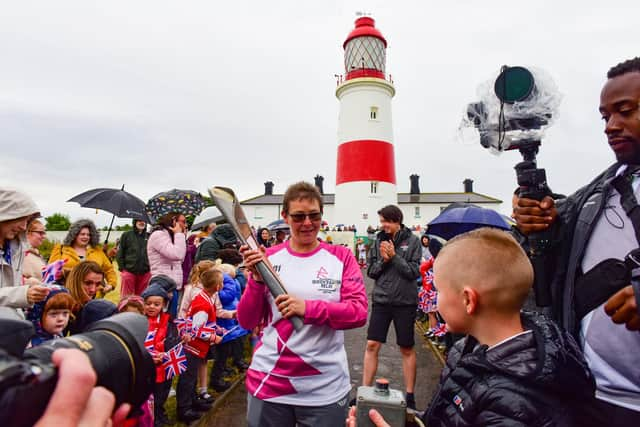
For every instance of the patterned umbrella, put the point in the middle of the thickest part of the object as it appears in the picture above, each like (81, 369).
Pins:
(186, 202)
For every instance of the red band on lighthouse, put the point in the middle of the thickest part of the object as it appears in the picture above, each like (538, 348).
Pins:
(365, 160)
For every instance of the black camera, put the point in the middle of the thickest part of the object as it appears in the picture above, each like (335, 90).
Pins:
(511, 115)
(115, 347)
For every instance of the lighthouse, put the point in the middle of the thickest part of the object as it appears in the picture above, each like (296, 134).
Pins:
(365, 172)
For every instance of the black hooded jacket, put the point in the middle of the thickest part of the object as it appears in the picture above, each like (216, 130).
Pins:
(221, 238)
(396, 280)
(535, 379)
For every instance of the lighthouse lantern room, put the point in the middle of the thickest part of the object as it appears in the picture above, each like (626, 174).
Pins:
(365, 172)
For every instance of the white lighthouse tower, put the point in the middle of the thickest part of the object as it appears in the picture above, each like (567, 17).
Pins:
(365, 172)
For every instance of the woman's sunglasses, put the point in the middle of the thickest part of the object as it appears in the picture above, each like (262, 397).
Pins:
(300, 217)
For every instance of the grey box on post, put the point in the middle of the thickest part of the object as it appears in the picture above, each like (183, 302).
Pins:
(389, 402)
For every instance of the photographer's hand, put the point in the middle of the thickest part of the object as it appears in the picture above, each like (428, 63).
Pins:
(623, 308)
(374, 416)
(533, 215)
(76, 400)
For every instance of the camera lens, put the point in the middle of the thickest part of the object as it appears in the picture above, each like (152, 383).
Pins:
(115, 347)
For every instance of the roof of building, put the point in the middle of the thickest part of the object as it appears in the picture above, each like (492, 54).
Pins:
(403, 198)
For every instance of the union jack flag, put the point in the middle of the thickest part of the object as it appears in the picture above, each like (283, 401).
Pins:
(422, 301)
(174, 362)
(148, 341)
(50, 271)
(204, 332)
(440, 330)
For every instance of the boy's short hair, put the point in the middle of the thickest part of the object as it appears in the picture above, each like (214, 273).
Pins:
(494, 262)
(211, 278)
(301, 191)
(391, 213)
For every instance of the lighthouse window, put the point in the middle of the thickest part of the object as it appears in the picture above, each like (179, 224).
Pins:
(374, 187)
(373, 114)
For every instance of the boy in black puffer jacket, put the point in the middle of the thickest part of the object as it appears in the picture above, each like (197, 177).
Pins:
(513, 368)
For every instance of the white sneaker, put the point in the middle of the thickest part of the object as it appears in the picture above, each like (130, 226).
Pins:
(172, 392)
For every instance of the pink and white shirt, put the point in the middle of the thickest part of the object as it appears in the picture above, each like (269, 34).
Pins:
(308, 367)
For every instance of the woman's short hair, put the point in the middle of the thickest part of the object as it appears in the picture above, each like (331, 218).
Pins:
(301, 191)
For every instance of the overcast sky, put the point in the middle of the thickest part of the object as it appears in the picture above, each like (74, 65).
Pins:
(165, 94)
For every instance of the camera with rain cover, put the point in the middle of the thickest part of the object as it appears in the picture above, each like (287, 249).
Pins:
(513, 111)
(115, 347)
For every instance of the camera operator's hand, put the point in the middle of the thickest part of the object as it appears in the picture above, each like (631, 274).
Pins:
(623, 308)
(37, 293)
(374, 416)
(76, 401)
(533, 215)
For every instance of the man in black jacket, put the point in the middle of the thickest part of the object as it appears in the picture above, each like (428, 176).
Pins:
(132, 259)
(223, 237)
(595, 294)
(394, 263)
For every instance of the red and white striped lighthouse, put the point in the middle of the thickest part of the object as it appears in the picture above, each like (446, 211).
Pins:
(365, 173)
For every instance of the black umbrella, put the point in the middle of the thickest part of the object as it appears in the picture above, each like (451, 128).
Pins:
(118, 202)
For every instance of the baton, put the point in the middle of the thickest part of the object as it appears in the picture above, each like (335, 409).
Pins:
(227, 202)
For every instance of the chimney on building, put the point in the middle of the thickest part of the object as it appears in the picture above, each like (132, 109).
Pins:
(268, 188)
(319, 179)
(468, 185)
(415, 184)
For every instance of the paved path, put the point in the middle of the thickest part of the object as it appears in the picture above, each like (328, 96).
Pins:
(231, 413)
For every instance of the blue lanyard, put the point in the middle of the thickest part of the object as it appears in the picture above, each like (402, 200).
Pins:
(6, 252)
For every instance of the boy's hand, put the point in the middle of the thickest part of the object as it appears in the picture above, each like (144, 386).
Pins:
(216, 339)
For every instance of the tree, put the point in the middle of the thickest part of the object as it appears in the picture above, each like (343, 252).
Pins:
(125, 227)
(58, 222)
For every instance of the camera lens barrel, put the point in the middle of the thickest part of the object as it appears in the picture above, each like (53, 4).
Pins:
(115, 347)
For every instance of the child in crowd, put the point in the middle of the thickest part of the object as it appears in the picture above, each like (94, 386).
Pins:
(131, 303)
(51, 317)
(143, 416)
(161, 337)
(193, 288)
(428, 298)
(514, 367)
(202, 311)
(232, 345)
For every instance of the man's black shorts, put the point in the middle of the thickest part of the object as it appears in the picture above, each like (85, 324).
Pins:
(403, 318)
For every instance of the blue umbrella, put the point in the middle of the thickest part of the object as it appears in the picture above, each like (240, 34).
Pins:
(458, 220)
(278, 225)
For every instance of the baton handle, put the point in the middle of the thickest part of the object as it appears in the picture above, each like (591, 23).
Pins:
(276, 289)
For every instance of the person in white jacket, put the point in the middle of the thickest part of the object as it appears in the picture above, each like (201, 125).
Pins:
(16, 208)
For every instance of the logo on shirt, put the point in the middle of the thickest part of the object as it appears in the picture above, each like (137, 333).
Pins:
(324, 283)
(458, 402)
(322, 273)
